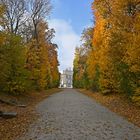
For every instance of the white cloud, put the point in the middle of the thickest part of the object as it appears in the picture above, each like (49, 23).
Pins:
(67, 39)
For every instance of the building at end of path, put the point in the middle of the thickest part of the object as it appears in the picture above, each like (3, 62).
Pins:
(66, 79)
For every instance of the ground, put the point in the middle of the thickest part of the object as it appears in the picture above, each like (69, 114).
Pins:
(118, 103)
(70, 115)
(12, 128)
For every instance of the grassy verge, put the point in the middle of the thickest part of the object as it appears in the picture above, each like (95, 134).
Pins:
(118, 104)
(13, 128)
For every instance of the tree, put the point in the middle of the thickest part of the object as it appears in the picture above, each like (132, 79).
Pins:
(28, 58)
(38, 9)
(13, 76)
(42, 61)
(13, 15)
(81, 77)
(112, 62)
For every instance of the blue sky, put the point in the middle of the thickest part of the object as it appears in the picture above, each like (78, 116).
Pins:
(69, 18)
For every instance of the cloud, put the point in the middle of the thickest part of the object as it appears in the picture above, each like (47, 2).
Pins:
(67, 39)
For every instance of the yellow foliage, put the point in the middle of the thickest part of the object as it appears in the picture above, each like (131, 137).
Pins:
(42, 60)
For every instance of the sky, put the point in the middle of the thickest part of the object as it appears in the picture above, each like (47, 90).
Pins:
(69, 18)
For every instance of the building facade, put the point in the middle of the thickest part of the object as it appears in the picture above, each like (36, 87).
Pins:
(66, 79)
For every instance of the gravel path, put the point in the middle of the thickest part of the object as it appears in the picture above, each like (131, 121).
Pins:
(70, 115)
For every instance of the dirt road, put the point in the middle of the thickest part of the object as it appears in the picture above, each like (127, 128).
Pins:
(70, 115)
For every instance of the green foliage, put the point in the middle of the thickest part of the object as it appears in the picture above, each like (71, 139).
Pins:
(95, 81)
(124, 79)
(13, 76)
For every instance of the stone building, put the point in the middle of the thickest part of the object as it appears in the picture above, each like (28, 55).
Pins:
(66, 79)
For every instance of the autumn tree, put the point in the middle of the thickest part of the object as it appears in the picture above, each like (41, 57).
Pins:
(28, 58)
(81, 78)
(42, 58)
(13, 76)
(52, 57)
(130, 31)
(38, 9)
(113, 60)
(14, 14)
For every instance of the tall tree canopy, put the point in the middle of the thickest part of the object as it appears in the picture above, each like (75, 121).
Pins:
(113, 63)
(28, 57)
